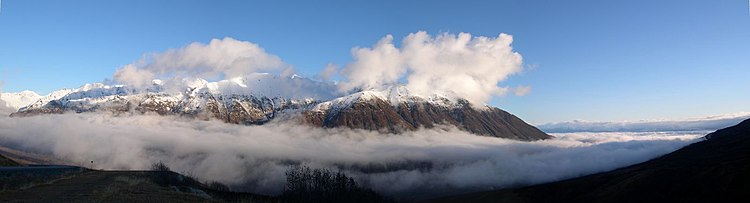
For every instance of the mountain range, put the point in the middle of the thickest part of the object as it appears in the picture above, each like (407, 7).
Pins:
(708, 123)
(260, 98)
(18, 99)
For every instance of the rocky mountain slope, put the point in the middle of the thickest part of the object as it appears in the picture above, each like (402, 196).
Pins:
(249, 100)
(260, 98)
(395, 110)
(714, 170)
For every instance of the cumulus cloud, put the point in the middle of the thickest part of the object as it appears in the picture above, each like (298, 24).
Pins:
(415, 164)
(220, 58)
(132, 75)
(374, 67)
(469, 66)
(328, 72)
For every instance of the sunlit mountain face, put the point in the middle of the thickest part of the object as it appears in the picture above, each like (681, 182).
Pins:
(377, 101)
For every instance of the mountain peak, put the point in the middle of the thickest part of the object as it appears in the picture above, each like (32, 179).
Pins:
(260, 98)
(16, 100)
(395, 95)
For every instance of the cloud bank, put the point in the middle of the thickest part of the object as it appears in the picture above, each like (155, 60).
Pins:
(468, 66)
(220, 58)
(462, 65)
(412, 165)
(709, 123)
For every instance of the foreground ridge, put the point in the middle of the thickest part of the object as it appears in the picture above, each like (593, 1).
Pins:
(714, 170)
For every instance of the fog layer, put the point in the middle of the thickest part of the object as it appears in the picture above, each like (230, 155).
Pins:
(254, 158)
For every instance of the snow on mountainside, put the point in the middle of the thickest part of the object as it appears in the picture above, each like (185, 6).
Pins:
(396, 109)
(260, 98)
(256, 85)
(395, 95)
(255, 98)
(190, 94)
(18, 99)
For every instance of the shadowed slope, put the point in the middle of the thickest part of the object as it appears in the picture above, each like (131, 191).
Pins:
(714, 170)
(117, 186)
(4, 161)
(380, 115)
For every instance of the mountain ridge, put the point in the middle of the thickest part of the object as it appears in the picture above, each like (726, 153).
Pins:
(261, 98)
(16, 100)
(712, 170)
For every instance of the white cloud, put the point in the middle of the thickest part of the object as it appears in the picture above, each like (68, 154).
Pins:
(374, 67)
(220, 58)
(328, 72)
(253, 158)
(469, 66)
(463, 65)
(522, 90)
(132, 75)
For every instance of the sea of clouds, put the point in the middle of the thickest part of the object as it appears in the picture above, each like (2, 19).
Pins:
(411, 165)
(422, 163)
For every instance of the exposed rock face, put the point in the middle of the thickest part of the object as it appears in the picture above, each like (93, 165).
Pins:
(377, 114)
(372, 115)
(393, 110)
(238, 109)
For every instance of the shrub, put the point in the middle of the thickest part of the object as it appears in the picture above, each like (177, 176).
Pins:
(304, 184)
(217, 186)
(159, 166)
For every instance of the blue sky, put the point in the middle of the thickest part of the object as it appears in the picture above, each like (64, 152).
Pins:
(593, 60)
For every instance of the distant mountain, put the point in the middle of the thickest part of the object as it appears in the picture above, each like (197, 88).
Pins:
(253, 99)
(261, 98)
(694, 124)
(714, 170)
(18, 99)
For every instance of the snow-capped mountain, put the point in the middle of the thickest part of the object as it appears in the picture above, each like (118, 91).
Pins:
(18, 99)
(691, 124)
(260, 98)
(255, 98)
(396, 109)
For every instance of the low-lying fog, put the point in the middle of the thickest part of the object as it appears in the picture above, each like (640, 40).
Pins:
(254, 158)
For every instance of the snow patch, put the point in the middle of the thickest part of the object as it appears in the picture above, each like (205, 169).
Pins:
(396, 95)
(17, 100)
